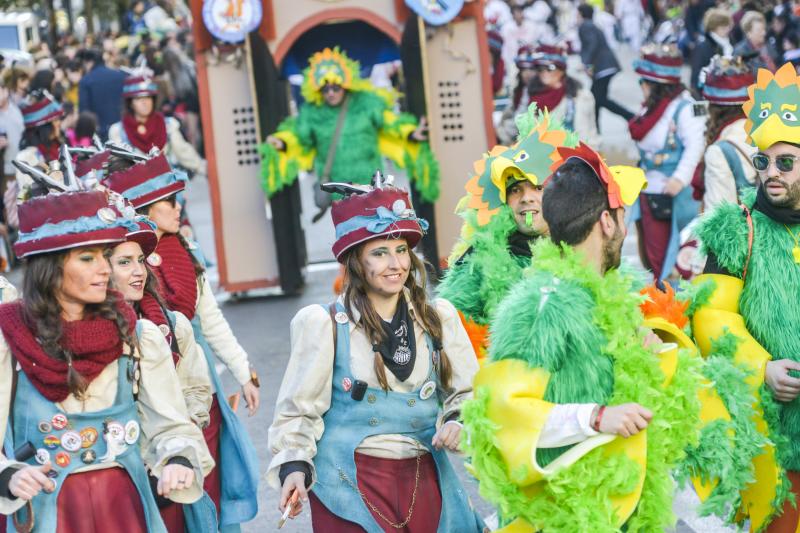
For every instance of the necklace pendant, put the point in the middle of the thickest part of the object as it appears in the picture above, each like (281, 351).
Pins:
(796, 254)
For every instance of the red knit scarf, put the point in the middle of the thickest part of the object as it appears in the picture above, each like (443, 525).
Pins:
(49, 151)
(698, 178)
(153, 134)
(177, 276)
(150, 309)
(94, 343)
(549, 98)
(640, 125)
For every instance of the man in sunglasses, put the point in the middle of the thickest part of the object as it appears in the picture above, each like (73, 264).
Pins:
(337, 131)
(752, 279)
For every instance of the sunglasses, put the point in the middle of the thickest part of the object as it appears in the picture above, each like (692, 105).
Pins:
(331, 89)
(784, 162)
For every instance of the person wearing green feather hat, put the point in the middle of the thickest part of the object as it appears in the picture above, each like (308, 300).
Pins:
(752, 311)
(502, 218)
(342, 132)
(580, 415)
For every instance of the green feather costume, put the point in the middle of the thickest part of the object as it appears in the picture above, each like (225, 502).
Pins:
(371, 131)
(584, 329)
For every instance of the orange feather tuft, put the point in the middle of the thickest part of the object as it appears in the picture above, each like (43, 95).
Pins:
(662, 304)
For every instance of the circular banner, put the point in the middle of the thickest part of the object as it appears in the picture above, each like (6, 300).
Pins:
(231, 20)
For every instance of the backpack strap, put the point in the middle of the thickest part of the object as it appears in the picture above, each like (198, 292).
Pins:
(750, 236)
(731, 154)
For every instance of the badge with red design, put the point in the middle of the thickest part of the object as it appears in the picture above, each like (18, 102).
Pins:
(63, 459)
(347, 384)
(59, 421)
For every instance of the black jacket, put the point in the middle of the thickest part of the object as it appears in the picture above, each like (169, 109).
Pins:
(704, 50)
(595, 52)
(100, 91)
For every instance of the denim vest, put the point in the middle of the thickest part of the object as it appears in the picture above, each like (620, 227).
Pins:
(348, 422)
(237, 460)
(684, 207)
(74, 440)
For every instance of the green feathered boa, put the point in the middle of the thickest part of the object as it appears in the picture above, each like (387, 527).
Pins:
(577, 497)
(480, 280)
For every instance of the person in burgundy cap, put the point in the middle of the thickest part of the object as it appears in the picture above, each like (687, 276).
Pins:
(152, 186)
(143, 127)
(670, 140)
(132, 277)
(374, 385)
(88, 393)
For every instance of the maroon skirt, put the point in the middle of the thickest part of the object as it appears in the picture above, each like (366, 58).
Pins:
(389, 485)
(211, 484)
(655, 238)
(100, 501)
(172, 515)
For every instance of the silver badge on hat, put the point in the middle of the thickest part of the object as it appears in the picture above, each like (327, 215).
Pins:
(398, 207)
(107, 215)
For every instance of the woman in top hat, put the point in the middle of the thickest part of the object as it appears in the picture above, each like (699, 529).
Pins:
(726, 165)
(370, 399)
(520, 97)
(143, 127)
(563, 96)
(131, 276)
(151, 187)
(670, 141)
(86, 390)
(39, 146)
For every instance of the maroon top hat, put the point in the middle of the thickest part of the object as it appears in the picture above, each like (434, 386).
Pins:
(385, 212)
(726, 80)
(45, 110)
(95, 162)
(144, 235)
(60, 221)
(550, 56)
(135, 86)
(659, 64)
(147, 182)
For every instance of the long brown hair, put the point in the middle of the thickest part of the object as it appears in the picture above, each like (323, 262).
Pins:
(720, 116)
(42, 313)
(355, 297)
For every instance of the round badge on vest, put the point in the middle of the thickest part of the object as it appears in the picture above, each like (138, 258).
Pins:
(59, 421)
(115, 432)
(52, 442)
(154, 260)
(341, 317)
(347, 384)
(71, 441)
(63, 459)
(45, 427)
(427, 390)
(131, 432)
(42, 456)
(164, 329)
(88, 437)
(88, 457)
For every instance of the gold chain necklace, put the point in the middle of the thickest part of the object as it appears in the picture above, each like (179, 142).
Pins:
(377, 511)
(796, 249)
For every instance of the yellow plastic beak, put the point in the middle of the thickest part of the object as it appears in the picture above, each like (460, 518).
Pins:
(774, 130)
(631, 181)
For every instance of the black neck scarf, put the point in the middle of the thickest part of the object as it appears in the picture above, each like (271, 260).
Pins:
(782, 215)
(399, 347)
(519, 244)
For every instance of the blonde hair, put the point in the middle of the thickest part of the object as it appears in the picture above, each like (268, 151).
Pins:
(716, 18)
(750, 18)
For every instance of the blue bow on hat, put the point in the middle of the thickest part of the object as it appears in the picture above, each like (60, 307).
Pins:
(379, 222)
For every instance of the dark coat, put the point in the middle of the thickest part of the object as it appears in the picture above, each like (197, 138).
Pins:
(100, 91)
(595, 52)
(704, 50)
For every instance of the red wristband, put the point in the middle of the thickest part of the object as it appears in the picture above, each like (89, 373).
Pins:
(598, 418)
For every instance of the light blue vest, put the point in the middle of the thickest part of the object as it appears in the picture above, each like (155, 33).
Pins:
(37, 420)
(348, 422)
(237, 462)
(684, 207)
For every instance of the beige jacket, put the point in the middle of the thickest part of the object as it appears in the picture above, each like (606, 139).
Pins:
(178, 149)
(166, 429)
(192, 371)
(305, 394)
(719, 181)
(219, 335)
